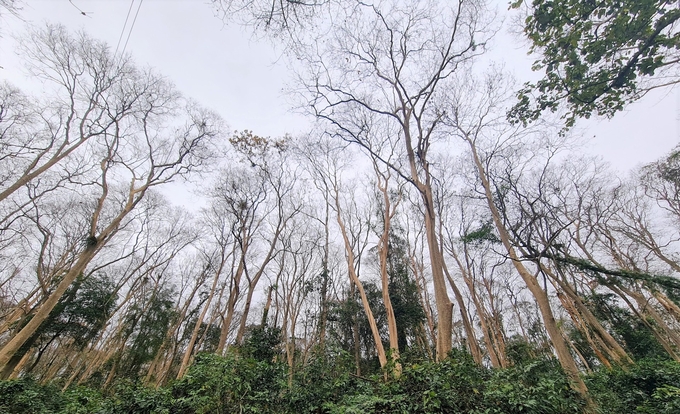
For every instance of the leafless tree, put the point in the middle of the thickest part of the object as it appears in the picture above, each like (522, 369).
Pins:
(384, 67)
(147, 135)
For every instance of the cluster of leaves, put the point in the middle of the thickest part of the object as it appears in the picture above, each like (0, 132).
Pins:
(597, 56)
(253, 379)
(650, 386)
(458, 385)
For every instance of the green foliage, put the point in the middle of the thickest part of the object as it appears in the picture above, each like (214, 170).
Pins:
(453, 385)
(597, 56)
(482, 234)
(650, 386)
(132, 397)
(26, 396)
(519, 351)
(537, 386)
(262, 343)
(235, 384)
(347, 318)
(230, 384)
(635, 335)
(83, 310)
(146, 326)
(408, 313)
(210, 331)
(458, 385)
(82, 400)
(323, 382)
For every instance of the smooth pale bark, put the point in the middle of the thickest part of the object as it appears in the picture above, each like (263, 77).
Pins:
(383, 251)
(166, 351)
(233, 297)
(351, 269)
(514, 301)
(41, 314)
(441, 295)
(561, 347)
(323, 292)
(472, 343)
(417, 269)
(22, 309)
(614, 350)
(252, 283)
(497, 361)
(197, 327)
(670, 306)
(495, 324)
(667, 337)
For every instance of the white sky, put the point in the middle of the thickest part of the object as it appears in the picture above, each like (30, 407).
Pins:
(225, 69)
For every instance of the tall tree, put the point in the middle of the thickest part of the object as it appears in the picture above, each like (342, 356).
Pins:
(166, 136)
(378, 76)
(476, 116)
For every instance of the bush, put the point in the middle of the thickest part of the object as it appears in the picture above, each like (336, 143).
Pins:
(229, 384)
(650, 386)
(132, 397)
(539, 386)
(235, 383)
(27, 396)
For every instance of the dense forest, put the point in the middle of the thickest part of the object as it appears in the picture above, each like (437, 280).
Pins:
(436, 242)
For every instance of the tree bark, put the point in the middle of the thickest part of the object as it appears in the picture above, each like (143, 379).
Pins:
(561, 348)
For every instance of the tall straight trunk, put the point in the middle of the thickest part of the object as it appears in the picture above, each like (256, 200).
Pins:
(323, 315)
(667, 337)
(165, 351)
(424, 186)
(472, 343)
(41, 314)
(487, 335)
(22, 309)
(671, 307)
(383, 253)
(231, 303)
(421, 287)
(252, 283)
(609, 344)
(243, 324)
(561, 347)
(441, 296)
(94, 243)
(199, 321)
(351, 269)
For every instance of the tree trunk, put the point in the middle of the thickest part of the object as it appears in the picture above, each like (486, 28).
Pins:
(11, 347)
(349, 255)
(561, 347)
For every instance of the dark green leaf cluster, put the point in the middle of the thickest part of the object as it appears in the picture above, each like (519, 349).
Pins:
(235, 383)
(631, 331)
(484, 233)
(262, 343)
(597, 55)
(650, 386)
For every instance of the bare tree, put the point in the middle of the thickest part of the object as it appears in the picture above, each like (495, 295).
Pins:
(147, 135)
(476, 115)
(383, 69)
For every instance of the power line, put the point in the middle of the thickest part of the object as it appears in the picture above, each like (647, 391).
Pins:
(81, 12)
(132, 27)
(122, 32)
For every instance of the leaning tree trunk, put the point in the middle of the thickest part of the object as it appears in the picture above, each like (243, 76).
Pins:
(561, 347)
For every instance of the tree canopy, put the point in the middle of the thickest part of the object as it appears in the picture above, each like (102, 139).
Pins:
(597, 55)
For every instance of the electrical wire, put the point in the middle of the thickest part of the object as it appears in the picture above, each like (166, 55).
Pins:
(122, 32)
(132, 26)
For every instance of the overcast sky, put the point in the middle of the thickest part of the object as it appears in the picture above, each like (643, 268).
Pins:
(225, 69)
